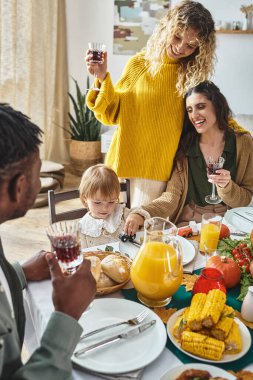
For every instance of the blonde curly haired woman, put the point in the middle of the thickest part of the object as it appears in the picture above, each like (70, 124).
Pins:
(147, 102)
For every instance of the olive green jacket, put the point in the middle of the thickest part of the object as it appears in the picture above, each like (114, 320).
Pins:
(52, 359)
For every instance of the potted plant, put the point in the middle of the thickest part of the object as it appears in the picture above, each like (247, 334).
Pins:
(85, 133)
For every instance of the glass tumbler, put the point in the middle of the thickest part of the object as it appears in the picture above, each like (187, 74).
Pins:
(65, 240)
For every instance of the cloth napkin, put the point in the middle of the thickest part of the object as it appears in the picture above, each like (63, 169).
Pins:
(134, 375)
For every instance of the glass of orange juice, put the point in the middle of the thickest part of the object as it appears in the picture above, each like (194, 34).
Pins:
(210, 230)
(156, 271)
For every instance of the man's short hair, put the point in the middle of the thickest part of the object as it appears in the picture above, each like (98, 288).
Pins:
(19, 138)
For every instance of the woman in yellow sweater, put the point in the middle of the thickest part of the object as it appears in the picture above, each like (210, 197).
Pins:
(207, 133)
(147, 102)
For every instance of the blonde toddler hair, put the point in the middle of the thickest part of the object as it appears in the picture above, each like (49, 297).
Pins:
(197, 67)
(99, 178)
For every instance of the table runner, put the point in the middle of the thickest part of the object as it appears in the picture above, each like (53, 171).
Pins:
(182, 299)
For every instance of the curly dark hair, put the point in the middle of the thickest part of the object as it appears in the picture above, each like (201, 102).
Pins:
(19, 139)
(222, 111)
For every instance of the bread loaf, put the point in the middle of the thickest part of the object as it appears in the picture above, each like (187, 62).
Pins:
(104, 281)
(95, 266)
(116, 267)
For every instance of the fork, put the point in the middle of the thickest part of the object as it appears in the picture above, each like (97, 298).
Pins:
(134, 321)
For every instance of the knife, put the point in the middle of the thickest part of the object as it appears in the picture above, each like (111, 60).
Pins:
(238, 233)
(243, 217)
(129, 334)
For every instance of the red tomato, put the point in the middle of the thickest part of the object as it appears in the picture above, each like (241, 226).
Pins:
(248, 268)
(246, 251)
(224, 232)
(243, 262)
(238, 256)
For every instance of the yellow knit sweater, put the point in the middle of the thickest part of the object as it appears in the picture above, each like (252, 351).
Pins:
(149, 115)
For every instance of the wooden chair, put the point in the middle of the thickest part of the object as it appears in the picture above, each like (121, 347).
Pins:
(54, 198)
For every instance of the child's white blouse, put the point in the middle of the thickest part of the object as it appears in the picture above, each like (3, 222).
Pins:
(95, 227)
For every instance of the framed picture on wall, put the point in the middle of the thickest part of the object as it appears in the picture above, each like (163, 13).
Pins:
(134, 22)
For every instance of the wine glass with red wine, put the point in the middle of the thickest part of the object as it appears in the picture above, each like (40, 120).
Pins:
(96, 50)
(212, 166)
(65, 241)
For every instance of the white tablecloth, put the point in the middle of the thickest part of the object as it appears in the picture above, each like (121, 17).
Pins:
(38, 305)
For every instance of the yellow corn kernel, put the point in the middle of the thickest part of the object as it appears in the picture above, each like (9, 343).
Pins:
(228, 311)
(213, 307)
(221, 329)
(233, 342)
(180, 324)
(194, 315)
(202, 345)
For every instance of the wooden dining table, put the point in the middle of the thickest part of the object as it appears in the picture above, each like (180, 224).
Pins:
(39, 306)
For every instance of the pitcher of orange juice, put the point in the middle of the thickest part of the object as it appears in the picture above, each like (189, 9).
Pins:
(156, 271)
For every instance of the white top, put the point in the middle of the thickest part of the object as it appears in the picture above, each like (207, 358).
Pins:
(94, 227)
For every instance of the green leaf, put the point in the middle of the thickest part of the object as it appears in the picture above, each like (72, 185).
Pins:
(83, 125)
(108, 248)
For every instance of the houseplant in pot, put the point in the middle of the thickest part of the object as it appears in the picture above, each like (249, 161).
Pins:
(85, 133)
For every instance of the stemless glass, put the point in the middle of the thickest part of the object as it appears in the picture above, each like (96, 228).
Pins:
(96, 50)
(65, 239)
(212, 166)
(210, 278)
(210, 230)
(211, 249)
(156, 271)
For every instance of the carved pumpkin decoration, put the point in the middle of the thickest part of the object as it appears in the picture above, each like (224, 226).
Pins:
(228, 267)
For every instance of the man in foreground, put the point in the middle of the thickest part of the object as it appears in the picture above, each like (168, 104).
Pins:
(19, 186)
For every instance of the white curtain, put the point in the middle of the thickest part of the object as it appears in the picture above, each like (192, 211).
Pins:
(33, 67)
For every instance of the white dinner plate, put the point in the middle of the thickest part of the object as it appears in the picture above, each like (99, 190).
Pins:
(246, 341)
(172, 374)
(127, 354)
(187, 248)
(237, 222)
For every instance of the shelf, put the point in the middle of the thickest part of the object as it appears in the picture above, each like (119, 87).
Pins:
(227, 31)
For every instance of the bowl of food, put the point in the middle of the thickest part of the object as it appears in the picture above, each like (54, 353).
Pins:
(111, 270)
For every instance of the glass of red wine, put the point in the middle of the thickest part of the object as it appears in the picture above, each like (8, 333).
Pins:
(212, 166)
(96, 50)
(65, 240)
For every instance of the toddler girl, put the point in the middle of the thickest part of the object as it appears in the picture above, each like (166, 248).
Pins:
(105, 219)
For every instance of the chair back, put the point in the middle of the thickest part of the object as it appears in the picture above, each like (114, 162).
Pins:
(78, 213)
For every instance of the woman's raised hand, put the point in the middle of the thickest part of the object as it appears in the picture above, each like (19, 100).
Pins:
(97, 69)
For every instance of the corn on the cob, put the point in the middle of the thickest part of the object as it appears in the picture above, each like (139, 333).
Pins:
(180, 324)
(221, 329)
(202, 345)
(205, 331)
(233, 342)
(228, 311)
(194, 315)
(213, 307)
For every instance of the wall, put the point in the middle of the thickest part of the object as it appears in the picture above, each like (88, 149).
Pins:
(93, 21)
